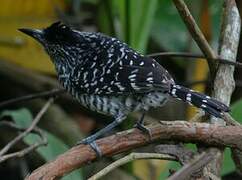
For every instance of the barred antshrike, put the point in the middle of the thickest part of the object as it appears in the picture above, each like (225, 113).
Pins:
(107, 76)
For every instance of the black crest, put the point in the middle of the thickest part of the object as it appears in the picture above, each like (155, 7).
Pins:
(61, 33)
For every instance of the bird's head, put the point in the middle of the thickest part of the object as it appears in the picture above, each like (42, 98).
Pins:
(57, 39)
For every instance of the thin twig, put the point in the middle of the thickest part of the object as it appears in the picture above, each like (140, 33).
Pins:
(230, 120)
(23, 152)
(188, 170)
(179, 151)
(50, 93)
(129, 158)
(28, 130)
(197, 34)
(192, 55)
(212, 176)
(12, 125)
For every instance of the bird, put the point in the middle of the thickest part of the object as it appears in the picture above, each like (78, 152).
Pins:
(105, 75)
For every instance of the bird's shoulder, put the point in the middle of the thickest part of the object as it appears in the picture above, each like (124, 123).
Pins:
(114, 67)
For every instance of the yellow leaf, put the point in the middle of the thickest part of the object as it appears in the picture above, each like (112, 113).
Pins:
(17, 47)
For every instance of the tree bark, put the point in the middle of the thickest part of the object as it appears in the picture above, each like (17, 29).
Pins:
(224, 83)
(203, 133)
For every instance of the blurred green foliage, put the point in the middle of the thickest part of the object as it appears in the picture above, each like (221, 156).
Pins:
(138, 22)
(169, 31)
(228, 164)
(130, 21)
(236, 112)
(55, 146)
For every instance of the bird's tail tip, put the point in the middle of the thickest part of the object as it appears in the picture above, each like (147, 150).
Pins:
(207, 103)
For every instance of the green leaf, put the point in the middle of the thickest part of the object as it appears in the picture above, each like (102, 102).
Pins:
(168, 29)
(132, 20)
(140, 22)
(228, 164)
(55, 147)
(119, 11)
(21, 117)
(170, 32)
(172, 165)
(236, 110)
(105, 18)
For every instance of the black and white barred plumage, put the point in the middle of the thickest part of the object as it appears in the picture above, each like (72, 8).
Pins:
(107, 76)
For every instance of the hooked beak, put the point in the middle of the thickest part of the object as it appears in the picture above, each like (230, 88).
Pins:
(34, 33)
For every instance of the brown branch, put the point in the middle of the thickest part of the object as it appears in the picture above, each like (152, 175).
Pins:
(191, 169)
(228, 47)
(182, 154)
(229, 40)
(237, 157)
(192, 55)
(78, 156)
(230, 120)
(30, 129)
(196, 34)
(224, 83)
(50, 93)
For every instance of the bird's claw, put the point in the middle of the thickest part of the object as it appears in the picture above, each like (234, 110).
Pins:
(84, 141)
(95, 147)
(144, 129)
(93, 144)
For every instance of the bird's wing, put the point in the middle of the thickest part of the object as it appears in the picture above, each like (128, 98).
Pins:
(140, 76)
(114, 68)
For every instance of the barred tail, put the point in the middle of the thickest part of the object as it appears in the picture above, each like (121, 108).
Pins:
(208, 104)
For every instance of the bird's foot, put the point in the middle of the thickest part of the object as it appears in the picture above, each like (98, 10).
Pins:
(144, 129)
(92, 142)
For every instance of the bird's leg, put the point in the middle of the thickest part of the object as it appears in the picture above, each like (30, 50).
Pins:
(91, 139)
(140, 125)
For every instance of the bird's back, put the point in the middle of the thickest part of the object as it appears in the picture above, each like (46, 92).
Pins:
(108, 73)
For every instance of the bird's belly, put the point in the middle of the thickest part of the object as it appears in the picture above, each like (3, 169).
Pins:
(101, 104)
(109, 105)
(114, 105)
